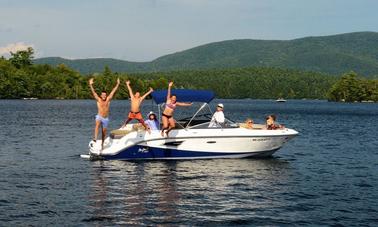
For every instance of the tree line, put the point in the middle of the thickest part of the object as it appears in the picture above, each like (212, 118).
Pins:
(352, 88)
(20, 78)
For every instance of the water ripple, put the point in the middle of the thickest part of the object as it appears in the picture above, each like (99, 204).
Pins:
(323, 177)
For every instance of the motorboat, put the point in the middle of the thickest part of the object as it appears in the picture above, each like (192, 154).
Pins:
(192, 137)
(280, 100)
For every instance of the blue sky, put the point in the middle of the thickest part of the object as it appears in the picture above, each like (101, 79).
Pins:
(142, 30)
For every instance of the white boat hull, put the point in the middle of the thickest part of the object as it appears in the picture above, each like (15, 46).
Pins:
(193, 144)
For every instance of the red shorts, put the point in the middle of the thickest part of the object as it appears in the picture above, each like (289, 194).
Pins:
(137, 116)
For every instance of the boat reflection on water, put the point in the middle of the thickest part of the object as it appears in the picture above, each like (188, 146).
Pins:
(184, 192)
(128, 193)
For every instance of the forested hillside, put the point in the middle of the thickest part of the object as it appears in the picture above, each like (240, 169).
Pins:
(334, 55)
(20, 78)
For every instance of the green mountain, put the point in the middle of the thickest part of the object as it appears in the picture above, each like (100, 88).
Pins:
(92, 65)
(334, 54)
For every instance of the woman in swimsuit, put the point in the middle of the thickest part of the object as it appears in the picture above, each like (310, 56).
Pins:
(170, 106)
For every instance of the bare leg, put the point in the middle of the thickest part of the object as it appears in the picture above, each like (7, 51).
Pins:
(171, 125)
(168, 130)
(144, 125)
(103, 137)
(126, 122)
(165, 125)
(98, 123)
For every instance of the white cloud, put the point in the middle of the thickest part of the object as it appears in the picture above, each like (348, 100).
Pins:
(14, 47)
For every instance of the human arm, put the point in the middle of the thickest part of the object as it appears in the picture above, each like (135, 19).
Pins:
(129, 88)
(213, 121)
(169, 90)
(92, 89)
(184, 103)
(149, 92)
(114, 89)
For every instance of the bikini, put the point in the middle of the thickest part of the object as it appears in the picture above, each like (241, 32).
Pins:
(167, 116)
(170, 106)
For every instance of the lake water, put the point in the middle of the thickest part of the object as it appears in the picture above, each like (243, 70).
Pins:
(328, 175)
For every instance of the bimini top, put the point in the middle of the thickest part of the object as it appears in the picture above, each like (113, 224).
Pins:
(184, 95)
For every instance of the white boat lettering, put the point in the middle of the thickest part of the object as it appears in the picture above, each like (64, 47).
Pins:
(261, 139)
(143, 150)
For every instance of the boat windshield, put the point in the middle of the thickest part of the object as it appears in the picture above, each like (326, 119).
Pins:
(200, 113)
(201, 119)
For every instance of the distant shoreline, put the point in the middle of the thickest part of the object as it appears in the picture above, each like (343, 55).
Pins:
(230, 99)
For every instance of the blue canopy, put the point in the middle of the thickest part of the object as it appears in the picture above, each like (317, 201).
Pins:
(183, 95)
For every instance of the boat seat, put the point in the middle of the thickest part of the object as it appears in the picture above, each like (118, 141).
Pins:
(116, 134)
(255, 126)
(119, 133)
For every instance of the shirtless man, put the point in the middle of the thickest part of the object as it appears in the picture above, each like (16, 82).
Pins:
(136, 101)
(103, 103)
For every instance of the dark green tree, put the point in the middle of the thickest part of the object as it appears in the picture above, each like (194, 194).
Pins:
(22, 58)
(352, 88)
(107, 71)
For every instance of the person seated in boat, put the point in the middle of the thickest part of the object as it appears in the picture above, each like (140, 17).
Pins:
(103, 104)
(136, 101)
(271, 123)
(217, 120)
(152, 121)
(170, 106)
(248, 124)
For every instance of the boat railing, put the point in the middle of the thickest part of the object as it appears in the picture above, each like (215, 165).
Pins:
(198, 111)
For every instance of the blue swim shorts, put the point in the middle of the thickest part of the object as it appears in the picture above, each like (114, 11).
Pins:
(104, 121)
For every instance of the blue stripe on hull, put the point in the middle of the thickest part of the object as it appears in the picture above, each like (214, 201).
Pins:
(143, 152)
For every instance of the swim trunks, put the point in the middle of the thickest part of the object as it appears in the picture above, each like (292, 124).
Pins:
(135, 115)
(104, 121)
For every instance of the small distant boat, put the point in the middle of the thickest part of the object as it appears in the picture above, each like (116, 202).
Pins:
(280, 100)
(31, 98)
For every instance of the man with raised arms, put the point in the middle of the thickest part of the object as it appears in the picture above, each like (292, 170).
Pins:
(136, 101)
(103, 103)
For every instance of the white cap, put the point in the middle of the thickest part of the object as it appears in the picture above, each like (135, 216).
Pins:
(220, 105)
(150, 113)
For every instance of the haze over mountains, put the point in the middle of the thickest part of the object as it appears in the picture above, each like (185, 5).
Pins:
(334, 54)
